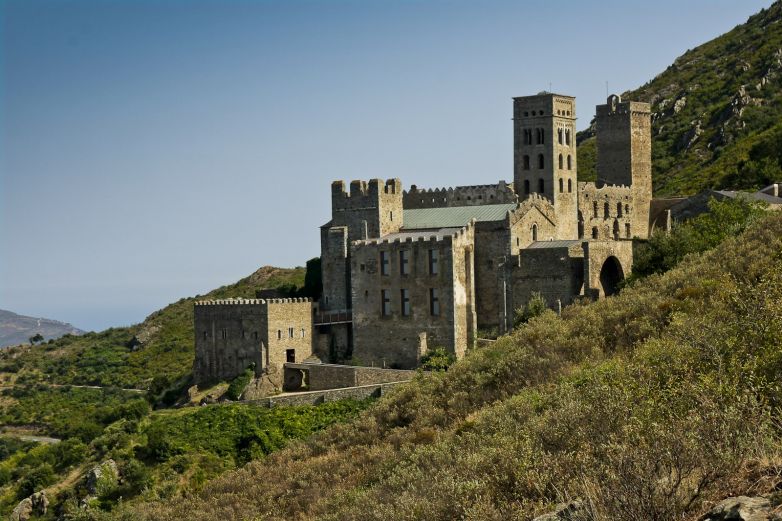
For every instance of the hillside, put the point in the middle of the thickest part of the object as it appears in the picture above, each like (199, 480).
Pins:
(716, 113)
(17, 329)
(154, 354)
(651, 404)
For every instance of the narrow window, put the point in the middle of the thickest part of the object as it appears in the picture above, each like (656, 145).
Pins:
(290, 332)
(302, 332)
(526, 186)
(619, 209)
(526, 162)
(569, 162)
(606, 211)
(567, 137)
(540, 161)
(534, 232)
(627, 231)
(383, 263)
(594, 232)
(404, 262)
(434, 302)
(385, 299)
(205, 335)
(569, 185)
(404, 295)
(594, 209)
(627, 208)
(391, 216)
(255, 335)
(561, 185)
(559, 136)
(279, 334)
(541, 186)
(244, 334)
(224, 333)
(560, 162)
(434, 262)
(616, 229)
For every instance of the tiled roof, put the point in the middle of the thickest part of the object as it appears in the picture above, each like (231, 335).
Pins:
(553, 244)
(453, 217)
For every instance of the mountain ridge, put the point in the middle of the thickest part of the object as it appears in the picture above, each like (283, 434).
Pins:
(17, 329)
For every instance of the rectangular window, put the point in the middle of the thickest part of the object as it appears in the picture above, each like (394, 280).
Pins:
(385, 299)
(205, 335)
(434, 302)
(290, 332)
(404, 262)
(434, 260)
(302, 332)
(224, 333)
(384, 263)
(279, 334)
(255, 335)
(405, 301)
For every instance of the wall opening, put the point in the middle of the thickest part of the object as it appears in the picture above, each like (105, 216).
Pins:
(290, 355)
(611, 274)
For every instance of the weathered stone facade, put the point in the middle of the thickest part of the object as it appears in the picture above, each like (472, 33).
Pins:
(405, 272)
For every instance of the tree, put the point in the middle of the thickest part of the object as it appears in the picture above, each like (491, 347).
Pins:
(36, 338)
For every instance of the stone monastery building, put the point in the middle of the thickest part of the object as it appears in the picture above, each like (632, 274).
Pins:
(407, 271)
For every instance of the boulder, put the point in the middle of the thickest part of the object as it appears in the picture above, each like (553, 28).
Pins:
(35, 505)
(102, 478)
(743, 508)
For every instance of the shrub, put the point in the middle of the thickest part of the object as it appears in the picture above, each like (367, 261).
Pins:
(239, 383)
(535, 307)
(437, 359)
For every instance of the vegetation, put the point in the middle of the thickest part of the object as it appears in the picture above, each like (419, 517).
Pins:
(437, 359)
(647, 405)
(239, 383)
(716, 113)
(535, 307)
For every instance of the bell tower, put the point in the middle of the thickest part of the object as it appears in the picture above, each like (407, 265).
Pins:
(544, 154)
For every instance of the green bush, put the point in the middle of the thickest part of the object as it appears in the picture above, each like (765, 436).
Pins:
(437, 359)
(535, 307)
(35, 480)
(238, 384)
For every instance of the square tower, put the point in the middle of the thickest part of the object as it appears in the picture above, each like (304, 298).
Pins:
(624, 154)
(544, 154)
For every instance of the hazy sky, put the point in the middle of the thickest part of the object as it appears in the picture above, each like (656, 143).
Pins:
(155, 150)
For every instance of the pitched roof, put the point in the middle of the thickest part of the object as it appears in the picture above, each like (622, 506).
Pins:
(758, 196)
(453, 217)
(553, 244)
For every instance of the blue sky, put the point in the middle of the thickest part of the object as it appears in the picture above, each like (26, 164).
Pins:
(155, 150)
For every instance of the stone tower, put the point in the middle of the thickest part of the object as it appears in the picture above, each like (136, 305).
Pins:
(544, 154)
(624, 154)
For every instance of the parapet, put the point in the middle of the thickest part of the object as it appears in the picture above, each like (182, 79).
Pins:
(474, 195)
(363, 194)
(605, 191)
(252, 301)
(615, 105)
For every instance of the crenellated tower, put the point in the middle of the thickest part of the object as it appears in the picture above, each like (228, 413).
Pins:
(624, 154)
(544, 154)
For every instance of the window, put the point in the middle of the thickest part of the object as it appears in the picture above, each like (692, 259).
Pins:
(434, 302)
(255, 335)
(619, 209)
(279, 334)
(540, 161)
(526, 162)
(391, 216)
(534, 232)
(569, 162)
(569, 184)
(404, 262)
(606, 210)
(594, 209)
(404, 295)
(567, 135)
(384, 263)
(561, 185)
(205, 335)
(385, 299)
(526, 186)
(627, 208)
(290, 355)
(224, 333)
(541, 139)
(559, 136)
(541, 186)
(594, 232)
(616, 229)
(627, 231)
(302, 332)
(434, 262)
(560, 161)
(290, 332)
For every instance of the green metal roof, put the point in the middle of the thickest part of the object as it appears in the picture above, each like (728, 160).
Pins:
(453, 217)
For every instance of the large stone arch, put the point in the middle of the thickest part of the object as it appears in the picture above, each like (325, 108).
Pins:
(606, 264)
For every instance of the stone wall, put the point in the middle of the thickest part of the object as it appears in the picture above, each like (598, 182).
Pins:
(459, 196)
(319, 377)
(232, 334)
(605, 264)
(331, 395)
(395, 340)
(606, 212)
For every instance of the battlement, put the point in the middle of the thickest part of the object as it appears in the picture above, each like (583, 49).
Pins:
(362, 194)
(473, 195)
(252, 301)
(615, 105)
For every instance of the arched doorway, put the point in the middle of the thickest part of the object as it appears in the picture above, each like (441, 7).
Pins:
(611, 274)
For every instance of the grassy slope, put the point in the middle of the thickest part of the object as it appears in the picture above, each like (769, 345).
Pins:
(109, 358)
(709, 80)
(649, 404)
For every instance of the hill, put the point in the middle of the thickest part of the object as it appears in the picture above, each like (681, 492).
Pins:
(651, 404)
(716, 113)
(17, 329)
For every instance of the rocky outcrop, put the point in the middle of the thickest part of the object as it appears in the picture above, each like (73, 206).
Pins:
(743, 508)
(35, 505)
(101, 478)
(571, 511)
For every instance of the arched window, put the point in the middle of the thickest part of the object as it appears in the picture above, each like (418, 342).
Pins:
(526, 186)
(567, 137)
(526, 162)
(534, 232)
(594, 209)
(569, 162)
(569, 185)
(541, 186)
(540, 161)
(559, 136)
(560, 161)
(627, 231)
(606, 210)
(594, 232)
(561, 185)
(616, 229)
(627, 208)
(619, 209)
